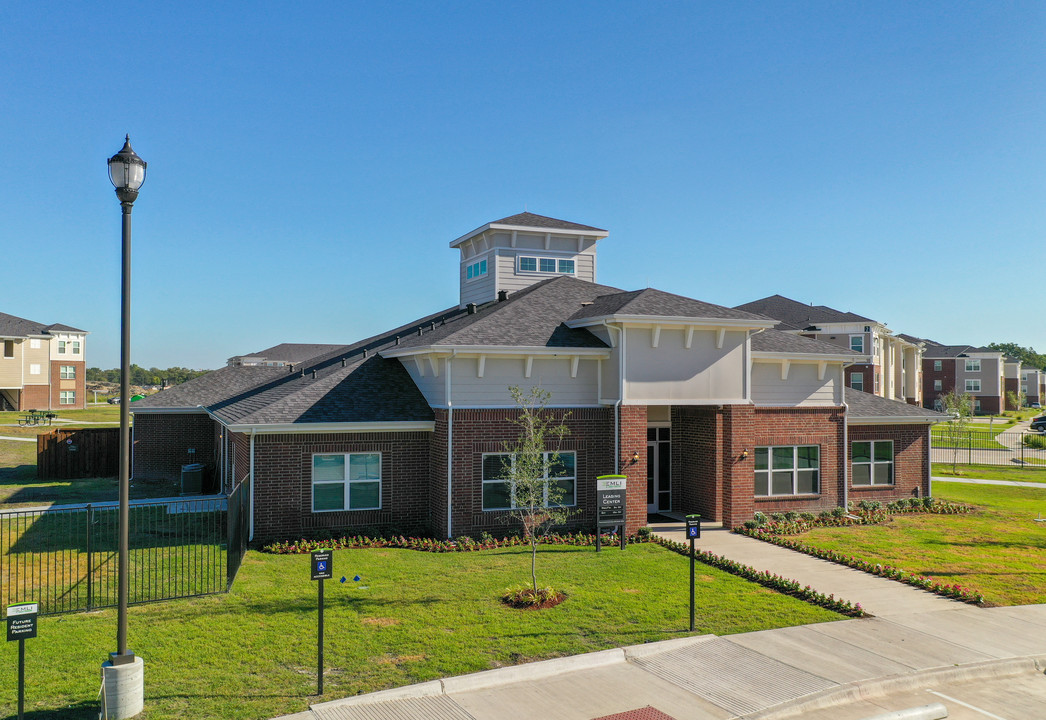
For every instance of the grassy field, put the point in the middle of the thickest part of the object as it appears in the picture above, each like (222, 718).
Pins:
(997, 550)
(93, 414)
(413, 617)
(990, 472)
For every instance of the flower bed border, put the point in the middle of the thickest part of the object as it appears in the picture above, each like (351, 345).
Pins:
(767, 579)
(954, 592)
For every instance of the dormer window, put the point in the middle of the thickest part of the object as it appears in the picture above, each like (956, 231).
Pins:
(476, 269)
(529, 263)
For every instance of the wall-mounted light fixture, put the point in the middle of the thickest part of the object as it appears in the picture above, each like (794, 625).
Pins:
(744, 454)
(635, 458)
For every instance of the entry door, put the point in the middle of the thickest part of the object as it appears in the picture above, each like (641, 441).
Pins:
(658, 469)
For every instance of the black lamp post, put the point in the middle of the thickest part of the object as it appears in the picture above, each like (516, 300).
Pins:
(127, 173)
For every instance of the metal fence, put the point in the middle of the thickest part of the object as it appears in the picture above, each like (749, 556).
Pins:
(65, 558)
(1011, 448)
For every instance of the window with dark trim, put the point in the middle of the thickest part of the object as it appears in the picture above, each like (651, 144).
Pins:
(499, 492)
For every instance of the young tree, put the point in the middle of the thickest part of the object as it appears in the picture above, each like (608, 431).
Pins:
(960, 407)
(530, 468)
(1015, 399)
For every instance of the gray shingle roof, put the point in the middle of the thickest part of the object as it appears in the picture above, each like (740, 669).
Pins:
(294, 352)
(953, 351)
(776, 341)
(529, 219)
(13, 326)
(532, 317)
(657, 303)
(866, 405)
(794, 315)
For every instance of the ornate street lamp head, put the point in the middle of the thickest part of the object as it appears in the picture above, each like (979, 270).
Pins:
(127, 172)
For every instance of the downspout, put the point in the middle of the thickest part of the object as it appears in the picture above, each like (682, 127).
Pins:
(450, 448)
(846, 439)
(250, 508)
(620, 395)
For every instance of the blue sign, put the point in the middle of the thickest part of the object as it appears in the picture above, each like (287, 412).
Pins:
(693, 531)
(322, 565)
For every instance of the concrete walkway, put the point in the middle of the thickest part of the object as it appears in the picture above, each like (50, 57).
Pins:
(919, 649)
(18, 439)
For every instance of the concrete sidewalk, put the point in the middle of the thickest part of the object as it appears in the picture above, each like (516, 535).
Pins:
(918, 643)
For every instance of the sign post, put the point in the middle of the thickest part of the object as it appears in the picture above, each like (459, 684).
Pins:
(21, 624)
(322, 569)
(610, 505)
(693, 531)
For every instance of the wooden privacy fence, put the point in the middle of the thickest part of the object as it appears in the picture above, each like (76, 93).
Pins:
(66, 453)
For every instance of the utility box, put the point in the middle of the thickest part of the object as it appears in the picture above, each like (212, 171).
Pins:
(192, 479)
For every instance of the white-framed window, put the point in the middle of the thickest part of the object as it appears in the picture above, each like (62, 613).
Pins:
(76, 347)
(857, 381)
(346, 481)
(61, 347)
(499, 493)
(67, 397)
(34, 343)
(938, 385)
(973, 364)
(545, 265)
(34, 368)
(787, 470)
(872, 462)
(876, 382)
(67, 372)
(857, 343)
(938, 365)
(973, 385)
(9, 349)
(476, 269)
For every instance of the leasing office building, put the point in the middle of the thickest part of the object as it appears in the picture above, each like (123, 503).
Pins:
(705, 408)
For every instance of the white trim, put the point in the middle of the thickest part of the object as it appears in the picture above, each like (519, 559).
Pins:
(332, 427)
(655, 336)
(510, 351)
(689, 337)
(345, 481)
(481, 363)
(528, 230)
(719, 337)
(895, 420)
(647, 320)
(690, 402)
(786, 365)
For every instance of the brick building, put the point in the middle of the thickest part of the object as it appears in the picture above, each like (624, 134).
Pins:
(705, 408)
(42, 367)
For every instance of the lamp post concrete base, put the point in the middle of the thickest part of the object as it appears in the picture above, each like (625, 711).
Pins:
(123, 689)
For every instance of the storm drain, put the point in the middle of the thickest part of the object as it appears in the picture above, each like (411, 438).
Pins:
(435, 707)
(733, 677)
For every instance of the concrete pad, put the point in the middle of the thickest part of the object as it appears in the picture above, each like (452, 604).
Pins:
(431, 708)
(826, 657)
(912, 648)
(1033, 614)
(973, 628)
(587, 694)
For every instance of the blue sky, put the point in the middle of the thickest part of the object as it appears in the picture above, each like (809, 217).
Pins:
(309, 163)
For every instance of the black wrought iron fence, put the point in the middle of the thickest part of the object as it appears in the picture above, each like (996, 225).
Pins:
(979, 446)
(65, 558)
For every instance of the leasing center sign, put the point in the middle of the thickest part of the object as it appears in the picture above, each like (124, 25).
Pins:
(610, 499)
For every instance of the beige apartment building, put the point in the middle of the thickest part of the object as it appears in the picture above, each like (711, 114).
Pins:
(42, 367)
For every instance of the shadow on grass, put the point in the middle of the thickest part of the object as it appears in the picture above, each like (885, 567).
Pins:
(80, 711)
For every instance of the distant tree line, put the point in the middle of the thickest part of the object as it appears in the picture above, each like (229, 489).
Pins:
(141, 376)
(1027, 356)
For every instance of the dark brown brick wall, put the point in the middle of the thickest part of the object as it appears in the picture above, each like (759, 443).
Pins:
(283, 483)
(161, 443)
(946, 375)
(866, 371)
(591, 437)
(798, 426)
(911, 471)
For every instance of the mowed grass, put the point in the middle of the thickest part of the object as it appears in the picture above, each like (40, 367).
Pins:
(997, 550)
(412, 617)
(990, 472)
(93, 414)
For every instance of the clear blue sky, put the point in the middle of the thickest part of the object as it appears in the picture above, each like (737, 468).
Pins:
(309, 162)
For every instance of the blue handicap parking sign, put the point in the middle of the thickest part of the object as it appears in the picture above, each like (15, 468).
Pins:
(693, 531)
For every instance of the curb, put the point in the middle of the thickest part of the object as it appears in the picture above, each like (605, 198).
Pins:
(529, 672)
(869, 689)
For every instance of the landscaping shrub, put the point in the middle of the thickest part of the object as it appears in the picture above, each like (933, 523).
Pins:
(462, 544)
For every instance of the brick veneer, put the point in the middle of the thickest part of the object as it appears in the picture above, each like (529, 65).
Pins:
(867, 372)
(35, 397)
(1010, 385)
(910, 468)
(591, 437)
(79, 384)
(283, 483)
(161, 443)
(801, 426)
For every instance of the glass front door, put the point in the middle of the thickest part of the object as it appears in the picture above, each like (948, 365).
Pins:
(658, 469)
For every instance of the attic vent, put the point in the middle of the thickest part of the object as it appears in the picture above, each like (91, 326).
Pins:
(586, 303)
(433, 324)
(290, 368)
(313, 374)
(397, 339)
(419, 332)
(343, 359)
(502, 295)
(471, 308)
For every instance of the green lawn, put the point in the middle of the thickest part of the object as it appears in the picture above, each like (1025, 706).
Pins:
(413, 617)
(997, 550)
(93, 414)
(991, 472)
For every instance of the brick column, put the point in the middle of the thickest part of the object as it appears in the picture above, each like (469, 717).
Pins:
(633, 440)
(738, 474)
